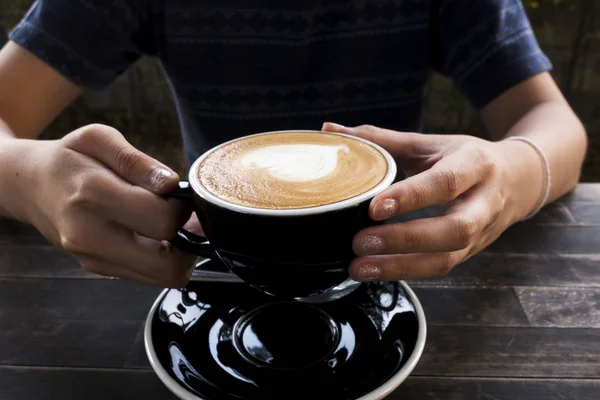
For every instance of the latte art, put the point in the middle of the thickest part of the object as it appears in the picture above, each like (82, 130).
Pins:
(291, 170)
(295, 162)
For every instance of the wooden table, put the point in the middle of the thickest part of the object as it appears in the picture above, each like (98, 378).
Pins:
(519, 321)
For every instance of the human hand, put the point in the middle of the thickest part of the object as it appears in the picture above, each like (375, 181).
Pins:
(100, 199)
(481, 183)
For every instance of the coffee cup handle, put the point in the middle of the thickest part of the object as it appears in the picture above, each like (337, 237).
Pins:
(186, 240)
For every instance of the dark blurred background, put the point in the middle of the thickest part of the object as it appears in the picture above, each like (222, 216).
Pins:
(139, 103)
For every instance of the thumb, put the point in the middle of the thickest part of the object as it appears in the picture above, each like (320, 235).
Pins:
(110, 147)
(398, 144)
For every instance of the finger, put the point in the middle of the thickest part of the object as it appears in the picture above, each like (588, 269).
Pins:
(483, 201)
(118, 246)
(108, 146)
(447, 179)
(173, 267)
(459, 228)
(134, 207)
(99, 267)
(404, 266)
(447, 233)
(398, 144)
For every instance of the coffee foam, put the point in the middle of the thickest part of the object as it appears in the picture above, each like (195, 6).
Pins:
(292, 170)
(295, 162)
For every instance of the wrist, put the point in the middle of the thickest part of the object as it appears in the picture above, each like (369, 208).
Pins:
(524, 173)
(16, 178)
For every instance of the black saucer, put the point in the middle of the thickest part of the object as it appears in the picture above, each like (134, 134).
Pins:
(226, 340)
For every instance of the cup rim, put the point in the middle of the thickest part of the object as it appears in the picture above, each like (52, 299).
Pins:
(206, 195)
(377, 393)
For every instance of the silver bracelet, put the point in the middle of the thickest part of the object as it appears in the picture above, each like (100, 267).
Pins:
(548, 182)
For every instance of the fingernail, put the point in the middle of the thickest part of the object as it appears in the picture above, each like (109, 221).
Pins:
(370, 245)
(386, 209)
(159, 176)
(369, 272)
(336, 126)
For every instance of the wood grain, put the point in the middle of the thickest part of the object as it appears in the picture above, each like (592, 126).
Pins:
(27, 383)
(528, 238)
(136, 357)
(77, 300)
(511, 352)
(39, 262)
(31, 383)
(14, 232)
(467, 306)
(435, 388)
(58, 322)
(561, 307)
(584, 192)
(586, 213)
(556, 213)
(57, 342)
(499, 269)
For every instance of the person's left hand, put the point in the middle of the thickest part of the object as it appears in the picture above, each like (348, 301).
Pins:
(482, 182)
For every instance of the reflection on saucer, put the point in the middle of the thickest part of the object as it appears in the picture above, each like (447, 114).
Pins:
(182, 308)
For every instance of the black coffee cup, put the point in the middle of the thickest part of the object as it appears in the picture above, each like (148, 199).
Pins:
(293, 253)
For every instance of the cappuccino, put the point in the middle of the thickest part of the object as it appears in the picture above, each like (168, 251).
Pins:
(290, 170)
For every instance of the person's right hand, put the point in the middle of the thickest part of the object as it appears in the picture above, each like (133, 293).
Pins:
(100, 199)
